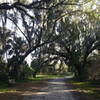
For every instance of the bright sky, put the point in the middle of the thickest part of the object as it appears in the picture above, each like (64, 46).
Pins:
(9, 26)
(12, 0)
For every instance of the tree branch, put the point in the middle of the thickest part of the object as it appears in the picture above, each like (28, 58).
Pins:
(34, 4)
(18, 28)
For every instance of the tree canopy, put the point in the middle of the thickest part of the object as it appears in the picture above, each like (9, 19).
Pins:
(64, 29)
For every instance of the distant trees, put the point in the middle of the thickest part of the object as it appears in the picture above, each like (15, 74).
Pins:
(77, 42)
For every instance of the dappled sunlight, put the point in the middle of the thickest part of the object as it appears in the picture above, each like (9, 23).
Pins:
(57, 39)
(55, 88)
(42, 93)
(29, 93)
(87, 88)
(85, 91)
(8, 91)
(56, 91)
(59, 83)
(72, 90)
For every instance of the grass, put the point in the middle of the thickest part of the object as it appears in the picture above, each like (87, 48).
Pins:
(40, 78)
(49, 76)
(89, 88)
(6, 88)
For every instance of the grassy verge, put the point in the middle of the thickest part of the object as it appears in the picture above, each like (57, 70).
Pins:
(6, 88)
(40, 78)
(90, 89)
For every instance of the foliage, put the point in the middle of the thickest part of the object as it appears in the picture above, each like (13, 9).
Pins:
(5, 88)
(26, 71)
(67, 29)
(90, 89)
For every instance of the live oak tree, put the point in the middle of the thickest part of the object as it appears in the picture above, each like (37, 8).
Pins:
(5, 35)
(41, 22)
(76, 43)
(31, 20)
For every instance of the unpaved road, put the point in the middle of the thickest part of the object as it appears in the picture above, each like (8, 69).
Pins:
(55, 90)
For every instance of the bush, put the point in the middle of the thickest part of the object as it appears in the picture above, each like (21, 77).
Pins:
(26, 72)
(3, 77)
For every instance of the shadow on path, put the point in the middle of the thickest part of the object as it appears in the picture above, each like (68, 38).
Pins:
(55, 90)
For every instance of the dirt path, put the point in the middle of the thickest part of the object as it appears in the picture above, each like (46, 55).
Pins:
(55, 90)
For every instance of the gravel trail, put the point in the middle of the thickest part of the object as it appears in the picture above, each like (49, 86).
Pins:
(56, 90)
